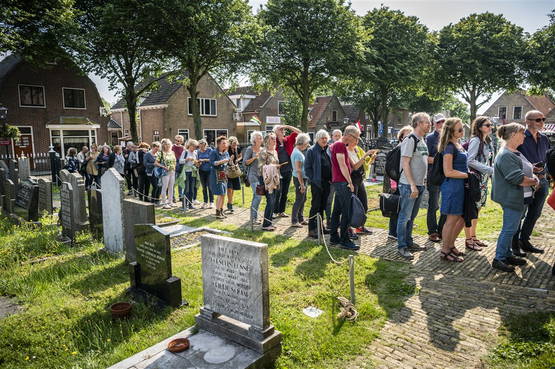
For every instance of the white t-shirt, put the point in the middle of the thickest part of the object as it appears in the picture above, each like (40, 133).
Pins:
(188, 164)
(418, 161)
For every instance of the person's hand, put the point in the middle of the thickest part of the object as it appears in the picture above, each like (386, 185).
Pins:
(303, 188)
(537, 170)
(413, 192)
(351, 187)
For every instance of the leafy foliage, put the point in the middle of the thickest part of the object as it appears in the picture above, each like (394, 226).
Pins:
(540, 56)
(305, 44)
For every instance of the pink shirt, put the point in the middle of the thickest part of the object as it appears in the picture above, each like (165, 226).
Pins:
(339, 148)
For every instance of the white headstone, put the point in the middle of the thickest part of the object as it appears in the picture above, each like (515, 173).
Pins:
(24, 168)
(79, 202)
(112, 210)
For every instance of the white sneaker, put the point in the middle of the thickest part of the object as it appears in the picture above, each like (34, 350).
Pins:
(211, 205)
(203, 206)
(196, 202)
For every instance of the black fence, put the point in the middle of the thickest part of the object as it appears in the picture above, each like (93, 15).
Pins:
(40, 163)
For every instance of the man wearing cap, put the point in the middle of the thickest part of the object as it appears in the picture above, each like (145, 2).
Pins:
(432, 141)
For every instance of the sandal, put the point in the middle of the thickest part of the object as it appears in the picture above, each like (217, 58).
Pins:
(471, 245)
(450, 256)
(478, 242)
(456, 251)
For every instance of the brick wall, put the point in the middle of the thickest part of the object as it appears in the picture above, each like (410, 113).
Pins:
(510, 101)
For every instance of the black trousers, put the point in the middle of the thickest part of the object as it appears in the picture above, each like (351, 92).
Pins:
(281, 199)
(360, 191)
(318, 204)
(143, 186)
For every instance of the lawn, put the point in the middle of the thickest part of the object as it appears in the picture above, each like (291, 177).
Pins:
(65, 323)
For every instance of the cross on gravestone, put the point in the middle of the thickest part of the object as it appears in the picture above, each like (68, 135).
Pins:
(79, 202)
(112, 207)
(152, 270)
(24, 167)
(45, 196)
(135, 212)
(66, 213)
(27, 201)
(236, 293)
(94, 197)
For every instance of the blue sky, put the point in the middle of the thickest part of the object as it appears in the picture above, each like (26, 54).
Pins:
(435, 14)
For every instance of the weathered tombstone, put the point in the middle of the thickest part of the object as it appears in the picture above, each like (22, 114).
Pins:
(135, 212)
(152, 270)
(112, 207)
(79, 201)
(64, 175)
(66, 212)
(24, 167)
(95, 213)
(27, 201)
(3, 178)
(45, 196)
(13, 173)
(9, 196)
(236, 293)
(380, 163)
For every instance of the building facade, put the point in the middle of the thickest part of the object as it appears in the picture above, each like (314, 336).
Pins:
(167, 111)
(513, 107)
(55, 106)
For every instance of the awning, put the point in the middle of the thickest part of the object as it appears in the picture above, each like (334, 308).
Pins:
(73, 123)
(549, 127)
(112, 124)
(248, 124)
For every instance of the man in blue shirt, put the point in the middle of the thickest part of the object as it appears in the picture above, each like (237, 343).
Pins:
(432, 141)
(534, 149)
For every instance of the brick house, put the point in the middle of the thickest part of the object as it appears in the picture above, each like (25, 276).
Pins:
(513, 108)
(166, 112)
(57, 105)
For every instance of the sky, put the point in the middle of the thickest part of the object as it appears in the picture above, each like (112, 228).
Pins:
(435, 14)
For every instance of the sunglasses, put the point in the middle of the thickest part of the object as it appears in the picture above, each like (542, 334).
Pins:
(486, 125)
(537, 120)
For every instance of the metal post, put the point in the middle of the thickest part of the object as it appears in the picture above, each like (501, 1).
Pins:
(352, 277)
(319, 229)
(243, 194)
(53, 164)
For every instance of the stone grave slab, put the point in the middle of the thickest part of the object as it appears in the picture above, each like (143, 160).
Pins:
(24, 166)
(27, 201)
(112, 207)
(152, 270)
(135, 212)
(3, 178)
(79, 203)
(13, 171)
(45, 196)
(64, 175)
(236, 293)
(9, 196)
(66, 213)
(94, 199)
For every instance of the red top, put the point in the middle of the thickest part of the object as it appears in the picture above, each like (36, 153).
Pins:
(339, 148)
(178, 150)
(289, 142)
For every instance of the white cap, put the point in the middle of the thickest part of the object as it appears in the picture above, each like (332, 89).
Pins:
(439, 117)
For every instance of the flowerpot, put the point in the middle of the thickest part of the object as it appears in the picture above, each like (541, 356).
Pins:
(178, 345)
(120, 310)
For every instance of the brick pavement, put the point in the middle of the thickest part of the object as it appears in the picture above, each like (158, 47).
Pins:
(453, 320)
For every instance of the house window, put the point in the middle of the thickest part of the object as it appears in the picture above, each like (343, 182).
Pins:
(502, 112)
(211, 134)
(74, 98)
(207, 107)
(334, 116)
(155, 135)
(281, 107)
(249, 134)
(517, 112)
(184, 133)
(63, 140)
(238, 104)
(31, 96)
(311, 134)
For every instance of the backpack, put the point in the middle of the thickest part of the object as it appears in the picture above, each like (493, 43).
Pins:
(436, 174)
(550, 162)
(358, 215)
(389, 204)
(393, 160)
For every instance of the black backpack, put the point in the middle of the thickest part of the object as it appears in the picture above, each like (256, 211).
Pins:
(393, 160)
(436, 174)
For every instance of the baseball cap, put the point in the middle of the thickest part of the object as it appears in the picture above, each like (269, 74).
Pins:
(439, 117)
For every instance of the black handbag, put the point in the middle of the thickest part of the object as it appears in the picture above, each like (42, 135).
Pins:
(389, 204)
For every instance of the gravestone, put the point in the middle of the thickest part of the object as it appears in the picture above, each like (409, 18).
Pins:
(94, 197)
(64, 175)
(27, 201)
(13, 172)
(66, 213)
(79, 201)
(9, 196)
(380, 163)
(135, 212)
(24, 167)
(236, 293)
(3, 178)
(152, 270)
(45, 196)
(112, 208)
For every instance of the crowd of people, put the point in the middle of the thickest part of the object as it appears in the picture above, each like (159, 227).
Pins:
(335, 168)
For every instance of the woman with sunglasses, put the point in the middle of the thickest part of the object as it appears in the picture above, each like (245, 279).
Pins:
(480, 153)
(452, 189)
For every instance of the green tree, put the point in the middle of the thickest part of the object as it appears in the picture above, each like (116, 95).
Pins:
(395, 61)
(205, 36)
(34, 28)
(479, 55)
(540, 56)
(293, 109)
(306, 43)
(111, 41)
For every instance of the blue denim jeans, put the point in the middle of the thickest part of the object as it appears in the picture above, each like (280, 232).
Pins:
(256, 199)
(511, 220)
(408, 209)
(190, 184)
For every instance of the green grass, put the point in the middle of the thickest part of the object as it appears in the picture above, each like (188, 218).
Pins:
(528, 342)
(65, 323)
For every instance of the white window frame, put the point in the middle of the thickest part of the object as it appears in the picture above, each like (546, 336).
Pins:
(32, 137)
(280, 102)
(499, 111)
(183, 131)
(202, 99)
(514, 107)
(31, 106)
(74, 88)
(92, 133)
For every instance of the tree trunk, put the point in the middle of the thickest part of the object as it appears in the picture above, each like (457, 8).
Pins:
(131, 100)
(473, 104)
(384, 110)
(192, 88)
(305, 98)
